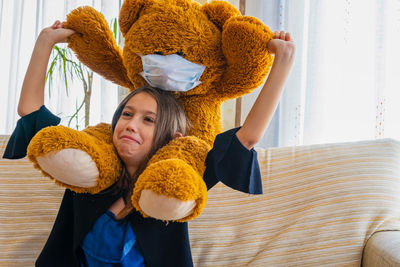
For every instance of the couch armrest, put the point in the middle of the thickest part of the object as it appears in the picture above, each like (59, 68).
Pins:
(382, 249)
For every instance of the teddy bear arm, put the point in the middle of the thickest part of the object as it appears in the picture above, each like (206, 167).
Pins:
(244, 44)
(95, 46)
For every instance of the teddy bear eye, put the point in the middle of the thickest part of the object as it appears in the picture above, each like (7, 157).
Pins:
(180, 53)
(158, 53)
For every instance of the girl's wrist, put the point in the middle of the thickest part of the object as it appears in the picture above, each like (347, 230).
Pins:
(284, 54)
(45, 41)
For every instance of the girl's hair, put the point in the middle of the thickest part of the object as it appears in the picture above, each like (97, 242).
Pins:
(170, 118)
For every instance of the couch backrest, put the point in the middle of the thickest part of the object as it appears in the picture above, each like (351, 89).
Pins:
(28, 206)
(320, 205)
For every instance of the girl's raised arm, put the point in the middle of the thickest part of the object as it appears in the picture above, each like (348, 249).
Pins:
(264, 107)
(32, 92)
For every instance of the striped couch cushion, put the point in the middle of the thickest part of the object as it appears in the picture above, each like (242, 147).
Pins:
(320, 205)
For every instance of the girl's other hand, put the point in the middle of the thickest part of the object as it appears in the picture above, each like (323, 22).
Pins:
(281, 45)
(54, 34)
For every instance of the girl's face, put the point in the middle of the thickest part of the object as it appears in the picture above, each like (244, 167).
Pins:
(134, 132)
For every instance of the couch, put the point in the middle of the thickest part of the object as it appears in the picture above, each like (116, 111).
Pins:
(323, 205)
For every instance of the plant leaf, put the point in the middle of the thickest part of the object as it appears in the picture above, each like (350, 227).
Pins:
(115, 28)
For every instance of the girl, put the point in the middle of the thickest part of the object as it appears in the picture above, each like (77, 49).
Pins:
(86, 231)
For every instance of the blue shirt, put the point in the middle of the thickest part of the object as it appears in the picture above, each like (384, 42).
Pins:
(110, 243)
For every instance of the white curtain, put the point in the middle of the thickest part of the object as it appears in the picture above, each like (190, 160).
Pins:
(20, 23)
(345, 83)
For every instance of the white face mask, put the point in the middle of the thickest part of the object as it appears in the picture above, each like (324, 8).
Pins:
(171, 72)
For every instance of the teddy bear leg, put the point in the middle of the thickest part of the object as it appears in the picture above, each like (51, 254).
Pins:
(83, 161)
(170, 190)
(171, 187)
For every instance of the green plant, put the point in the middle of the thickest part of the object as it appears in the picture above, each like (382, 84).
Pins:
(69, 68)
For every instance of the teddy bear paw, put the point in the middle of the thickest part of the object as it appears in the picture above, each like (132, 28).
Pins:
(70, 166)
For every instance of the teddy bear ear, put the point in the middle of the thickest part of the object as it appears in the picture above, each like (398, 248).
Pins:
(219, 12)
(129, 13)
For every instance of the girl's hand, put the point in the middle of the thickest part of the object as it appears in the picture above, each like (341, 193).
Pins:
(54, 34)
(281, 45)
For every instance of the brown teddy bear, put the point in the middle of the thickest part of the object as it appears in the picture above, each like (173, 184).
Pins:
(233, 49)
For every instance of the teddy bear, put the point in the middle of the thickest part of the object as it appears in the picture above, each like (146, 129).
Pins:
(233, 49)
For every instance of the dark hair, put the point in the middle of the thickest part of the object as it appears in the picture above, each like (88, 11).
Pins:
(170, 118)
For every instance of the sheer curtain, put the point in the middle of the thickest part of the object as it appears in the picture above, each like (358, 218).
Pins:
(20, 23)
(345, 83)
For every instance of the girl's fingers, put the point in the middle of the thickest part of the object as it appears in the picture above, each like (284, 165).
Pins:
(282, 35)
(55, 24)
(288, 37)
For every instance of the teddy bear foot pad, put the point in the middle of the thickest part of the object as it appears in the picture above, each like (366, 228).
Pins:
(70, 166)
(164, 208)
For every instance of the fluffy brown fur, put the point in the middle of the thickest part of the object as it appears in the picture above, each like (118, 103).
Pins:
(231, 46)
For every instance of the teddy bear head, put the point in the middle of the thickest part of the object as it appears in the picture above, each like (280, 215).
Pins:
(182, 27)
(231, 47)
